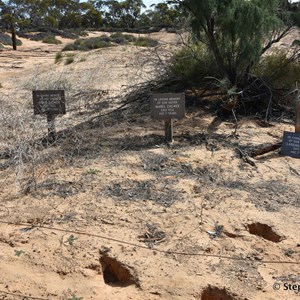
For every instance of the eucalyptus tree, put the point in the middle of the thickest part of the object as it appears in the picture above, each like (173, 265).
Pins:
(123, 13)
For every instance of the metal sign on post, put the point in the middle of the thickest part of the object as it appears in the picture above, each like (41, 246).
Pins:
(49, 103)
(291, 144)
(167, 106)
(291, 140)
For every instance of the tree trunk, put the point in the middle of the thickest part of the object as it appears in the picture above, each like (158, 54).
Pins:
(214, 47)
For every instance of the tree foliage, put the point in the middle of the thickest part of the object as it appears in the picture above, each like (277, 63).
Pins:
(234, 30)
(123, 14)
(89, 14)
(46, 13)
(163, 14)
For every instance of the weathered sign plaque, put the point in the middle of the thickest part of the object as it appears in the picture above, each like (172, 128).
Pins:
(291, 144)
(49, 102)
(167, 106)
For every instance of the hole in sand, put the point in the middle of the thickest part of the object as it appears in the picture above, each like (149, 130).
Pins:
(116, 273)
(265, 231)
(214, 293)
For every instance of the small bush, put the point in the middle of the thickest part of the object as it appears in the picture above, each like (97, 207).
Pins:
(5, 39)
(69, 47)
(278, 70)
(145, 42)
(58, 57)
(89, 44)
(193, 63)
(121, 38)
(69, 58)
(51, 40)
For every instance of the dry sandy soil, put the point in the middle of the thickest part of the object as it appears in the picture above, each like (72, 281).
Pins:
(112, 212)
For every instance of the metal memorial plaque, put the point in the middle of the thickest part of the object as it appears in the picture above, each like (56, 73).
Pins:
(49, 102)
(167, 106)
(291, 144)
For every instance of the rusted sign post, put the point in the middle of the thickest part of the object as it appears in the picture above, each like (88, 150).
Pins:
(50, 103)
(166, 107)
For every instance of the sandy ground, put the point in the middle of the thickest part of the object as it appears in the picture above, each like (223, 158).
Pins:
(112, 212)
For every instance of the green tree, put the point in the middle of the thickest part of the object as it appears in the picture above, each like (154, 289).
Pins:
(123, 14)
(234, 31)
(91, 16)
(164, 15)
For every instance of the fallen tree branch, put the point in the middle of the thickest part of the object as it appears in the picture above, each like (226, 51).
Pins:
(266, 149)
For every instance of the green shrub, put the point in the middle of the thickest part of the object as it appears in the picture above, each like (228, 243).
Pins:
(89, 44)
(69, 47)
(145, 42)
(51, 40)
(121, 38)
(58, 57)
(193, 63)
(69, 60)
(278, 70)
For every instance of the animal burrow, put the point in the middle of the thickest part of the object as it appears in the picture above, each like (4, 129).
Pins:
(116, 273)
(215, 293)
(265, 231)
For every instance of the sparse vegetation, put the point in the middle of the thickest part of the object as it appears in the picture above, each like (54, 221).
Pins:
(58, 57)
(71, 239)
(199, 207)
(18, 253)
(69, 60)
(74, 297)
(289, 252)
(121, 38)
(145, 42)
(87, 44)
(280, 70)
(51, 40)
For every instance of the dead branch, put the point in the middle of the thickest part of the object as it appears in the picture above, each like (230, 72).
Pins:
(276, 39)
(266, 149)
